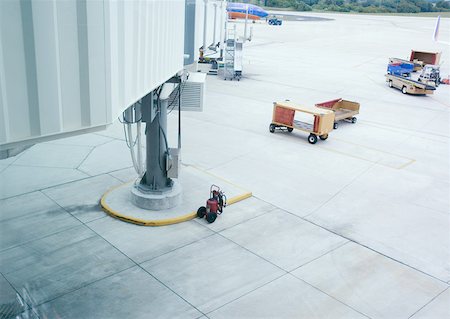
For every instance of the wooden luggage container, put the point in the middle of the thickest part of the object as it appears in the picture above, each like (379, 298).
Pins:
(343, 110)
(421, 58)
(283, 118)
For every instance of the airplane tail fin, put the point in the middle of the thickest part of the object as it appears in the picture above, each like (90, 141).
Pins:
(436, 29)
(436, 32)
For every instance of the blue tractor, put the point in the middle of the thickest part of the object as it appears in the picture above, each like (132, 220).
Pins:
(275, 21)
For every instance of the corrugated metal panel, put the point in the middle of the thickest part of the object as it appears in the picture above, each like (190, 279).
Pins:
(147, 46)
(70, 66)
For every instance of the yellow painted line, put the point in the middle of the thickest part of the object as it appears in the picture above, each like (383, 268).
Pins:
(409, 161)
(373, 149)
(215, 176)
(404, 158)
(238, 198)
(157, 222)
(406, 164)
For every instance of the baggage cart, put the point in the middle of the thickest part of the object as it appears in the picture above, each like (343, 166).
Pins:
(343, 110)
(409, 86)
(283, 118)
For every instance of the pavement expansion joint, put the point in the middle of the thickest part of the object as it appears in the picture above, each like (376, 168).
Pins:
(195, 184)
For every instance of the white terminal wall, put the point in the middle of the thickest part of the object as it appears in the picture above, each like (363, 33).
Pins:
(70, 66)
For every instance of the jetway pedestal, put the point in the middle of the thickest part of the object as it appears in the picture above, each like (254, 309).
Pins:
(155, 190)
(157, 201)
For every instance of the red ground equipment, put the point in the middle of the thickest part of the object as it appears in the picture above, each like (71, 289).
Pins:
(214, 205)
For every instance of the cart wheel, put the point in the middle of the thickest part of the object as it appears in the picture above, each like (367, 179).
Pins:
(211, 217)
(354, 119)
(404, 90)
(201, 212)
(335, 125)
(272, 128)
(390, 83)
(290, 129)
(312, 138)
(323, 137)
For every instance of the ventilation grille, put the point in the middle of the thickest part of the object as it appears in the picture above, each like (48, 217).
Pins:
(192, 94)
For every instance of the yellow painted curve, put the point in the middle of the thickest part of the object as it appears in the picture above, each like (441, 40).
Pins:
(158, 222)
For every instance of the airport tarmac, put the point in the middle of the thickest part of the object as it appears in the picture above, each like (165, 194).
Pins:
(356, 226)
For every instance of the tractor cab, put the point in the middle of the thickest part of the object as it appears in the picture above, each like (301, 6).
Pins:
(274, 21)
(430, 75)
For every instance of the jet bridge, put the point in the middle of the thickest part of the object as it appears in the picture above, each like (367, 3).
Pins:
(72, 67)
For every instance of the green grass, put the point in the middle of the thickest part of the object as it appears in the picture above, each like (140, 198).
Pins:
(280, 9)
(420, 14)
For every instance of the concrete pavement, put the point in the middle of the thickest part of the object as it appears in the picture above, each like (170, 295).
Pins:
(356, 226)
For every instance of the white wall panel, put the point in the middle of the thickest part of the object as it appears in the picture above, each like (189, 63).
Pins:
(47, 66)
(13, 76)
(69, 66)
(96, 25)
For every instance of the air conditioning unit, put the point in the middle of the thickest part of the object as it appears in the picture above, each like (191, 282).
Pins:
(192, 93)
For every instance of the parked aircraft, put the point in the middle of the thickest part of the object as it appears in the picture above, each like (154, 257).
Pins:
(239, 11)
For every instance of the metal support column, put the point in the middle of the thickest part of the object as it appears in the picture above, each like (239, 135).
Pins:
(215, 24)
(205, 23)
(155, 178)
(156, 190)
